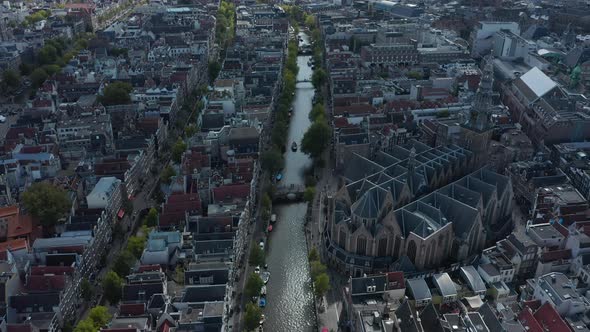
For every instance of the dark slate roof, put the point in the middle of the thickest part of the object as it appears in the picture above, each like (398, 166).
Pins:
(359, 285)
(491, 320)
(370, 203)
(430, 319)
(132, 292)
(220, 276)
(37, 302)
(212, 121)
(407, 318)
(206, 293)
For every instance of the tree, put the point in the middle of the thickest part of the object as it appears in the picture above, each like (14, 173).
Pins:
(313, 255)
(112, 285)
(256, 256)
(51, 69)
(25, 68)
(321, 284)
(85, 325)
(135, 245)
(317, 112)
(309, 194)
(318, 78)
(47, 55)
(177, 150)
(46, 202)
(37, 77)
(190, 130)
(316, 139)
(252, 316)
(151, 220)
(86, 290)
(317, 268)
(266, 201)
(253, 285)
(310, 21)
(123, 263)
(271, 160)
(167, 173)
(213, 69)
(116, 93)
(100, 316)
(11, 78)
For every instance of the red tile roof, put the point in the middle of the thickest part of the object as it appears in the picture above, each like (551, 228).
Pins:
(174, 210)
(19, 328)
(42, 270)
(230, 193)
(149, 268)
(396, 280)
(354, 109)
(549, 318)
(529, 322)
(42, 283)
(15, 244)
(554, 255)
(132, 309)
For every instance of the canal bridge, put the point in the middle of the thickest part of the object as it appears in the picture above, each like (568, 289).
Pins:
(288, 193)
(303, 81)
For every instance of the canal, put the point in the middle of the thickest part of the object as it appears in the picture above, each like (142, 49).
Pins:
(289, 294)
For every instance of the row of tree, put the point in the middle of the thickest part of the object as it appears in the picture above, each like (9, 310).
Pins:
(319, 275)
(272, 159)
(113, 282)
(225, 24)
(98, 317)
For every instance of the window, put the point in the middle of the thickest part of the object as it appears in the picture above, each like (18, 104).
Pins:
(382, 249)
(361, 245)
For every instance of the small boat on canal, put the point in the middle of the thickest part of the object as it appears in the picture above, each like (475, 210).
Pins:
(279, 177)
(265, 276)
(294, 147)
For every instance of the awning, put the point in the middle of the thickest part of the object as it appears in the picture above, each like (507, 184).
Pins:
(121, 213)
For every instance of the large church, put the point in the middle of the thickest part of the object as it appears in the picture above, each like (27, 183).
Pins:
(417, 203)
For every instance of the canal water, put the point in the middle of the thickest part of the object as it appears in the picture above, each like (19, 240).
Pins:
(289, 294)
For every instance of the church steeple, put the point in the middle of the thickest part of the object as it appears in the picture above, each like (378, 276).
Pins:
(483, 98)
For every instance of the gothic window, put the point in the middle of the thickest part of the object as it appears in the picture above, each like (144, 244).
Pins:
(396, 247)
(412, 251)
(342, 239)
(382, 249)
(361, 245)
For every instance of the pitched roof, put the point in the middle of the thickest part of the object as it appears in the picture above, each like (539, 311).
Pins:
(396, 280)
(538, 82)
(550, 319)
(132, 309)
(231, 192)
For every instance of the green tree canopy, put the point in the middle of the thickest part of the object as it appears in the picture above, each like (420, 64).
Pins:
(167, 173)
(86, 290)
(99, 316)
(252, 317)
(112, 285)
(321, 284)
(85, 325)
(318, 78)
(11, 78)
(253, 285)
(266, 201)
(317, 268)
(116, 93)
(272, 160)
(309, 194)
(256, 256)
(47, 54)
(213, 70)
(177, 150)
(317, 112)
(38, 76)
(46, 202)
(316, 139)
(310, 21)
(135, 245)
(123, 263)
(151, 220)
(313, 255)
